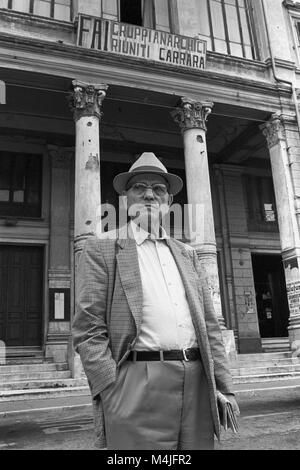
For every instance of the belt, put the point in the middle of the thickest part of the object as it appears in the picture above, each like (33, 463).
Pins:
(190, 354)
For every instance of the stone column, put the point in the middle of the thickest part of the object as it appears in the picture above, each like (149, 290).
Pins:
(287, 209)
(191, 116)
(59, 273)
(87, 114)
(87, 103)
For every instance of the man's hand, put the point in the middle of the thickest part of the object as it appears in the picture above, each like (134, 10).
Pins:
(233, 402)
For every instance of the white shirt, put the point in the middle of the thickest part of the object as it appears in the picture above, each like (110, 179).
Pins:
(166, 319)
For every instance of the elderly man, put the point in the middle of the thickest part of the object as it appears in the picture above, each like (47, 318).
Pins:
(145, 327)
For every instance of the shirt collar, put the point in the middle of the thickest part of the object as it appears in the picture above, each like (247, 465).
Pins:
(140, 235)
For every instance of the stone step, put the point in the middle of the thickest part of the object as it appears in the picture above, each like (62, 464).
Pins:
(275, 344)
(271, 362)
(21, 368)
(291, 385)
(26, 360)
(259, 356)
(268, 369)
(6, 379)
(275, 349)
(262, 357)
(40, 384)
(264, 377)
(78, 387)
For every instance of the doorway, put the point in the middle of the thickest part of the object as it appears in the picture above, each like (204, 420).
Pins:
(21, 295)
(271, 296)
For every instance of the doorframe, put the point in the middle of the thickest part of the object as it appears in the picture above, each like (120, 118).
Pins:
(45, 297)
(270, 252)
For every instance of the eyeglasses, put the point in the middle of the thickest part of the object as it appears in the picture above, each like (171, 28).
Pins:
(158, 189)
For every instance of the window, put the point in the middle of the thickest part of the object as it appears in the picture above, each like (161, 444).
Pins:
(297, 37)
(131, 12)
(293, 9)
(154, 14)
(56, 9)
(260, 202)
(20, 184)
(224, 24)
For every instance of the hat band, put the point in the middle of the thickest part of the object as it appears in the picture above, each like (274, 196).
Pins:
(154, 169)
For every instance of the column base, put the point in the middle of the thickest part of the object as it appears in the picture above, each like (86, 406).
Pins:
(57, 341)
(294, 337)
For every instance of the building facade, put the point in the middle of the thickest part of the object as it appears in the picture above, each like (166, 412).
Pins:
(209, 86)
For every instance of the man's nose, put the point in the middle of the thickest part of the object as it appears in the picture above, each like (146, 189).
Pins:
(149, 193)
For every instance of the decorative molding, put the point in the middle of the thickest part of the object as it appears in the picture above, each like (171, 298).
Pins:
(86, 99)
(63, 274)
(61, 157)
(273, 130)
(258, 93)
(286, 64)
(291, 5)
(192, 114)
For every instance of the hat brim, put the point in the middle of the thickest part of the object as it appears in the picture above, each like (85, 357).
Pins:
(120, 181)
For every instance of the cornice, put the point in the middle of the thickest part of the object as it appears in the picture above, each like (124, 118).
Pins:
(285, 64)
(34, 45)
(88, 65)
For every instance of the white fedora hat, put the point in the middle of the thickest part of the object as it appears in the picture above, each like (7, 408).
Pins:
(147, 163)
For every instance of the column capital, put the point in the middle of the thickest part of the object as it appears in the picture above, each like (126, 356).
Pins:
(86, 99)
(192, 114)
(273, 130)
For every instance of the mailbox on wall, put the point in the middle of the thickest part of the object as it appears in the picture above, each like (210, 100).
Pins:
(59, 304)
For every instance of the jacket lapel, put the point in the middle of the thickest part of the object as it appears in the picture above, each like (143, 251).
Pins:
(129, 271)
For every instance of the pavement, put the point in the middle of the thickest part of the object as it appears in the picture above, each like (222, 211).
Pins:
(257, 392)
(37, 405)
(270, 420)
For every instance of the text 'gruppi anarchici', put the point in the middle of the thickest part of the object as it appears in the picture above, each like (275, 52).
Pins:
(141, 43)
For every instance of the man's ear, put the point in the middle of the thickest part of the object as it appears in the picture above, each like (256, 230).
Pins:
(170, 200)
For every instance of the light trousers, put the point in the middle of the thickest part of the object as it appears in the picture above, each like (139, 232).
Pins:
(156, 405)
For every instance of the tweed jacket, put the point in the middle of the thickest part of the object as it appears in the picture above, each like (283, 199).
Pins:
(108, 315)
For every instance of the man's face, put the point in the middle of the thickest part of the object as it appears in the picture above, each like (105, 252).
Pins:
(147, 196)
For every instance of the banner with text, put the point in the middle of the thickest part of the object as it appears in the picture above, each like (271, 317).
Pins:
(141, 43)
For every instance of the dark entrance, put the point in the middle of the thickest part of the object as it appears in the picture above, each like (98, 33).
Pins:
(21, 295)
(271, 296)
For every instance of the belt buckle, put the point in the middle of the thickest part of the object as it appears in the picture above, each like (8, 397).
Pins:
(184, 355)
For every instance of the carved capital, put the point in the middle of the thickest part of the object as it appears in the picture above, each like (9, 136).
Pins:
(86, 99)
(192, 114)
(61, 157)
(273, 130)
